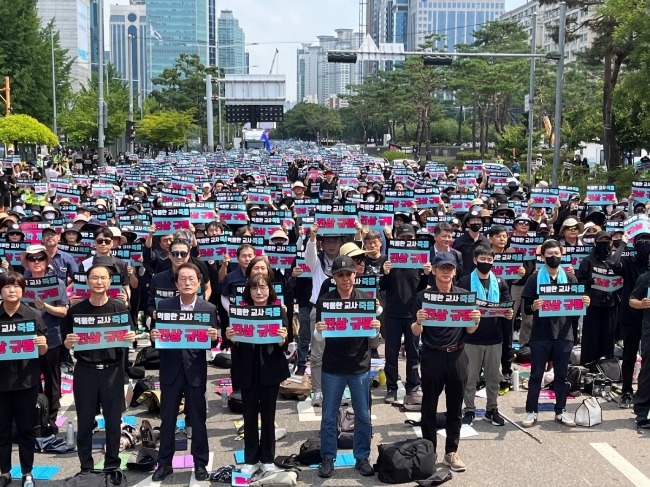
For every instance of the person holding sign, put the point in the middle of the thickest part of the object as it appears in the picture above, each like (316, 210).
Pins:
(22, 341)
(37, 262)
(346, 362)
(599, 325)
(98, 374)
(262, 367)
(551, 337)
(443, 363)
(183, 371)
(484, 347)
(639, 299)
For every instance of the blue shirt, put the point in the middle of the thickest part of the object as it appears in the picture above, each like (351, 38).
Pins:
(64, 266)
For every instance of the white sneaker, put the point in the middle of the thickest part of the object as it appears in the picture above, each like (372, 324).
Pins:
(531, 419)
(249, 469)
(268, 467)
(317, 400)
(565, 419)
(188, 432)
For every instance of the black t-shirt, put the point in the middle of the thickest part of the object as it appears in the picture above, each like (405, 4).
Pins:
(434, 337)
(231, 282)
(490, 330)
(551, 328)
(21, 374)
(639, 292)
(375, 267)
(107, 356)
(344, 355)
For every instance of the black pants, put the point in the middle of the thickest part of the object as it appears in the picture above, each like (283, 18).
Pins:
(259, 446)
(195, 407)
(443, 371)
(20, 406)
(506, 346)
(394, 328)
(541, 352)
(642, 396)
(51, 370)
(631, 341)
(598, 334)
(92, 388)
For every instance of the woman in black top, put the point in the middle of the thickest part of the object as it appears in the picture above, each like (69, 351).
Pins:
(19, 378)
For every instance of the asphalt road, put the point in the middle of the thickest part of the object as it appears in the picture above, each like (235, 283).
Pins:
(612, 453)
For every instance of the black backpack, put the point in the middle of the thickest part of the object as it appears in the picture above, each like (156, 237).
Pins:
(148, 358)
(406, 461)
(310, 452)
(98, 478)
(42, 426)
(143, 385)
(234, 403)
(345, 428)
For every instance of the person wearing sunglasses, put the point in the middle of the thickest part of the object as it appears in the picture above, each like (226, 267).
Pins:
(103, 245)
(37, 264)
(570, 233)
(63, 264)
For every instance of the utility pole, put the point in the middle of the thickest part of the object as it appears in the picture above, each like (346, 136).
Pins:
(100, 91)
(209, 111)
(558, 93)
(54, 126)
(129, 75)
(531, 95)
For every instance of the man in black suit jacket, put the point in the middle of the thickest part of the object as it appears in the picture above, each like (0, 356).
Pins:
(184, 372)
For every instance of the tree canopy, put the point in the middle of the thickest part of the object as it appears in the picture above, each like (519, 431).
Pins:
(168, 128)
(26, 129)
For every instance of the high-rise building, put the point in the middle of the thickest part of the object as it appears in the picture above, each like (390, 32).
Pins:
(400, 21)
(125, 21)
(231, 44)
(454, 20)
(318, 80)
(72, 21)
(181, 28)
(548, 17)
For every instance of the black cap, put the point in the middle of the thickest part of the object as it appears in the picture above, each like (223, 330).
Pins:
(603, 234)
(103, 261)
(443, 258)
(405, 229)
(343, 263)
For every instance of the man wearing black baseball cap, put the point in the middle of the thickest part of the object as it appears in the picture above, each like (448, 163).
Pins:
(443, 362)
(472, 238)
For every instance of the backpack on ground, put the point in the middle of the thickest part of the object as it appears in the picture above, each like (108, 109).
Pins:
(42, 426)
(589, 413)
(98, 478)
(291, 389)
(310, 452)
(222, 360)
(574, 379)
(609, 367)
(277, 478)
(234, 403)
(140, 387)
(345, 428)
(406, 461)
(149, 358)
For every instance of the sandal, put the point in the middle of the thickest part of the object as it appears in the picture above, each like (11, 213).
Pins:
(146, 432)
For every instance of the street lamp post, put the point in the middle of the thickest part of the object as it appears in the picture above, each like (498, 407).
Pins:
(129, 75)
(54, 125)
(531, 96)
(558, 93)
(100, 60)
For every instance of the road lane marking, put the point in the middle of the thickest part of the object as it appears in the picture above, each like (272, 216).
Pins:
(632, 473)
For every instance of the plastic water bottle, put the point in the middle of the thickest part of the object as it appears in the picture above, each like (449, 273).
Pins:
(28, 481)
(224, 397)
(69, 435)
(515, 380)
(129, 393)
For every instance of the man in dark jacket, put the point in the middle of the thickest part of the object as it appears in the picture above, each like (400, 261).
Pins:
(472, 238)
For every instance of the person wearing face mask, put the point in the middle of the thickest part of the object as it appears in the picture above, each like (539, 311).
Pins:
(484, 347)
(631, 268)
(551, 338)
(599, 324)
(471, 239)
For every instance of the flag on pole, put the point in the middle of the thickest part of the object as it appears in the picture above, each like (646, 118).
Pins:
(266, 140)
(153, 33)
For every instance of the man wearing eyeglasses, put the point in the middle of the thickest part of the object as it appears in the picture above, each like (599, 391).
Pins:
(184, 372)
(103, 245)
(522, 226)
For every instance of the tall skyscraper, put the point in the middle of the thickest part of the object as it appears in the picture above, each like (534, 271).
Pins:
(72, 21)
(400, 13)
(455, 20)
(307, 69)
(182, 27)
(125, 21)
(231, 46)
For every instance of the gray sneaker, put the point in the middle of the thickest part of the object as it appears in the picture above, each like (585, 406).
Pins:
(390, 397)
(317, 400)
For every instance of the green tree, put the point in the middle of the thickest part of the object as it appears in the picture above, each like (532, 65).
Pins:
(168, 128)
(25, 56)
(26, 129)
(309, 121)
(79, 120)
(182, 87)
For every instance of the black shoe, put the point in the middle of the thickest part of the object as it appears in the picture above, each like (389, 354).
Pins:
(391, 397)
(5, 480)
(201, 473)
(300, 370)
(162, 472)
(494, 417)
(374, 353)
(326, 468)
(468, 417)
(627, 399)
(364, 468)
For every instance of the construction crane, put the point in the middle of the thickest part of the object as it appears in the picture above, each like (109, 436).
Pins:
(273, 62)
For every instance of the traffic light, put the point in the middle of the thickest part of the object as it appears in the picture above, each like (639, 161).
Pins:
(130, 131)
(436, 60)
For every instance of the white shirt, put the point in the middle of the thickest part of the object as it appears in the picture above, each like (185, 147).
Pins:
(188, 307)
